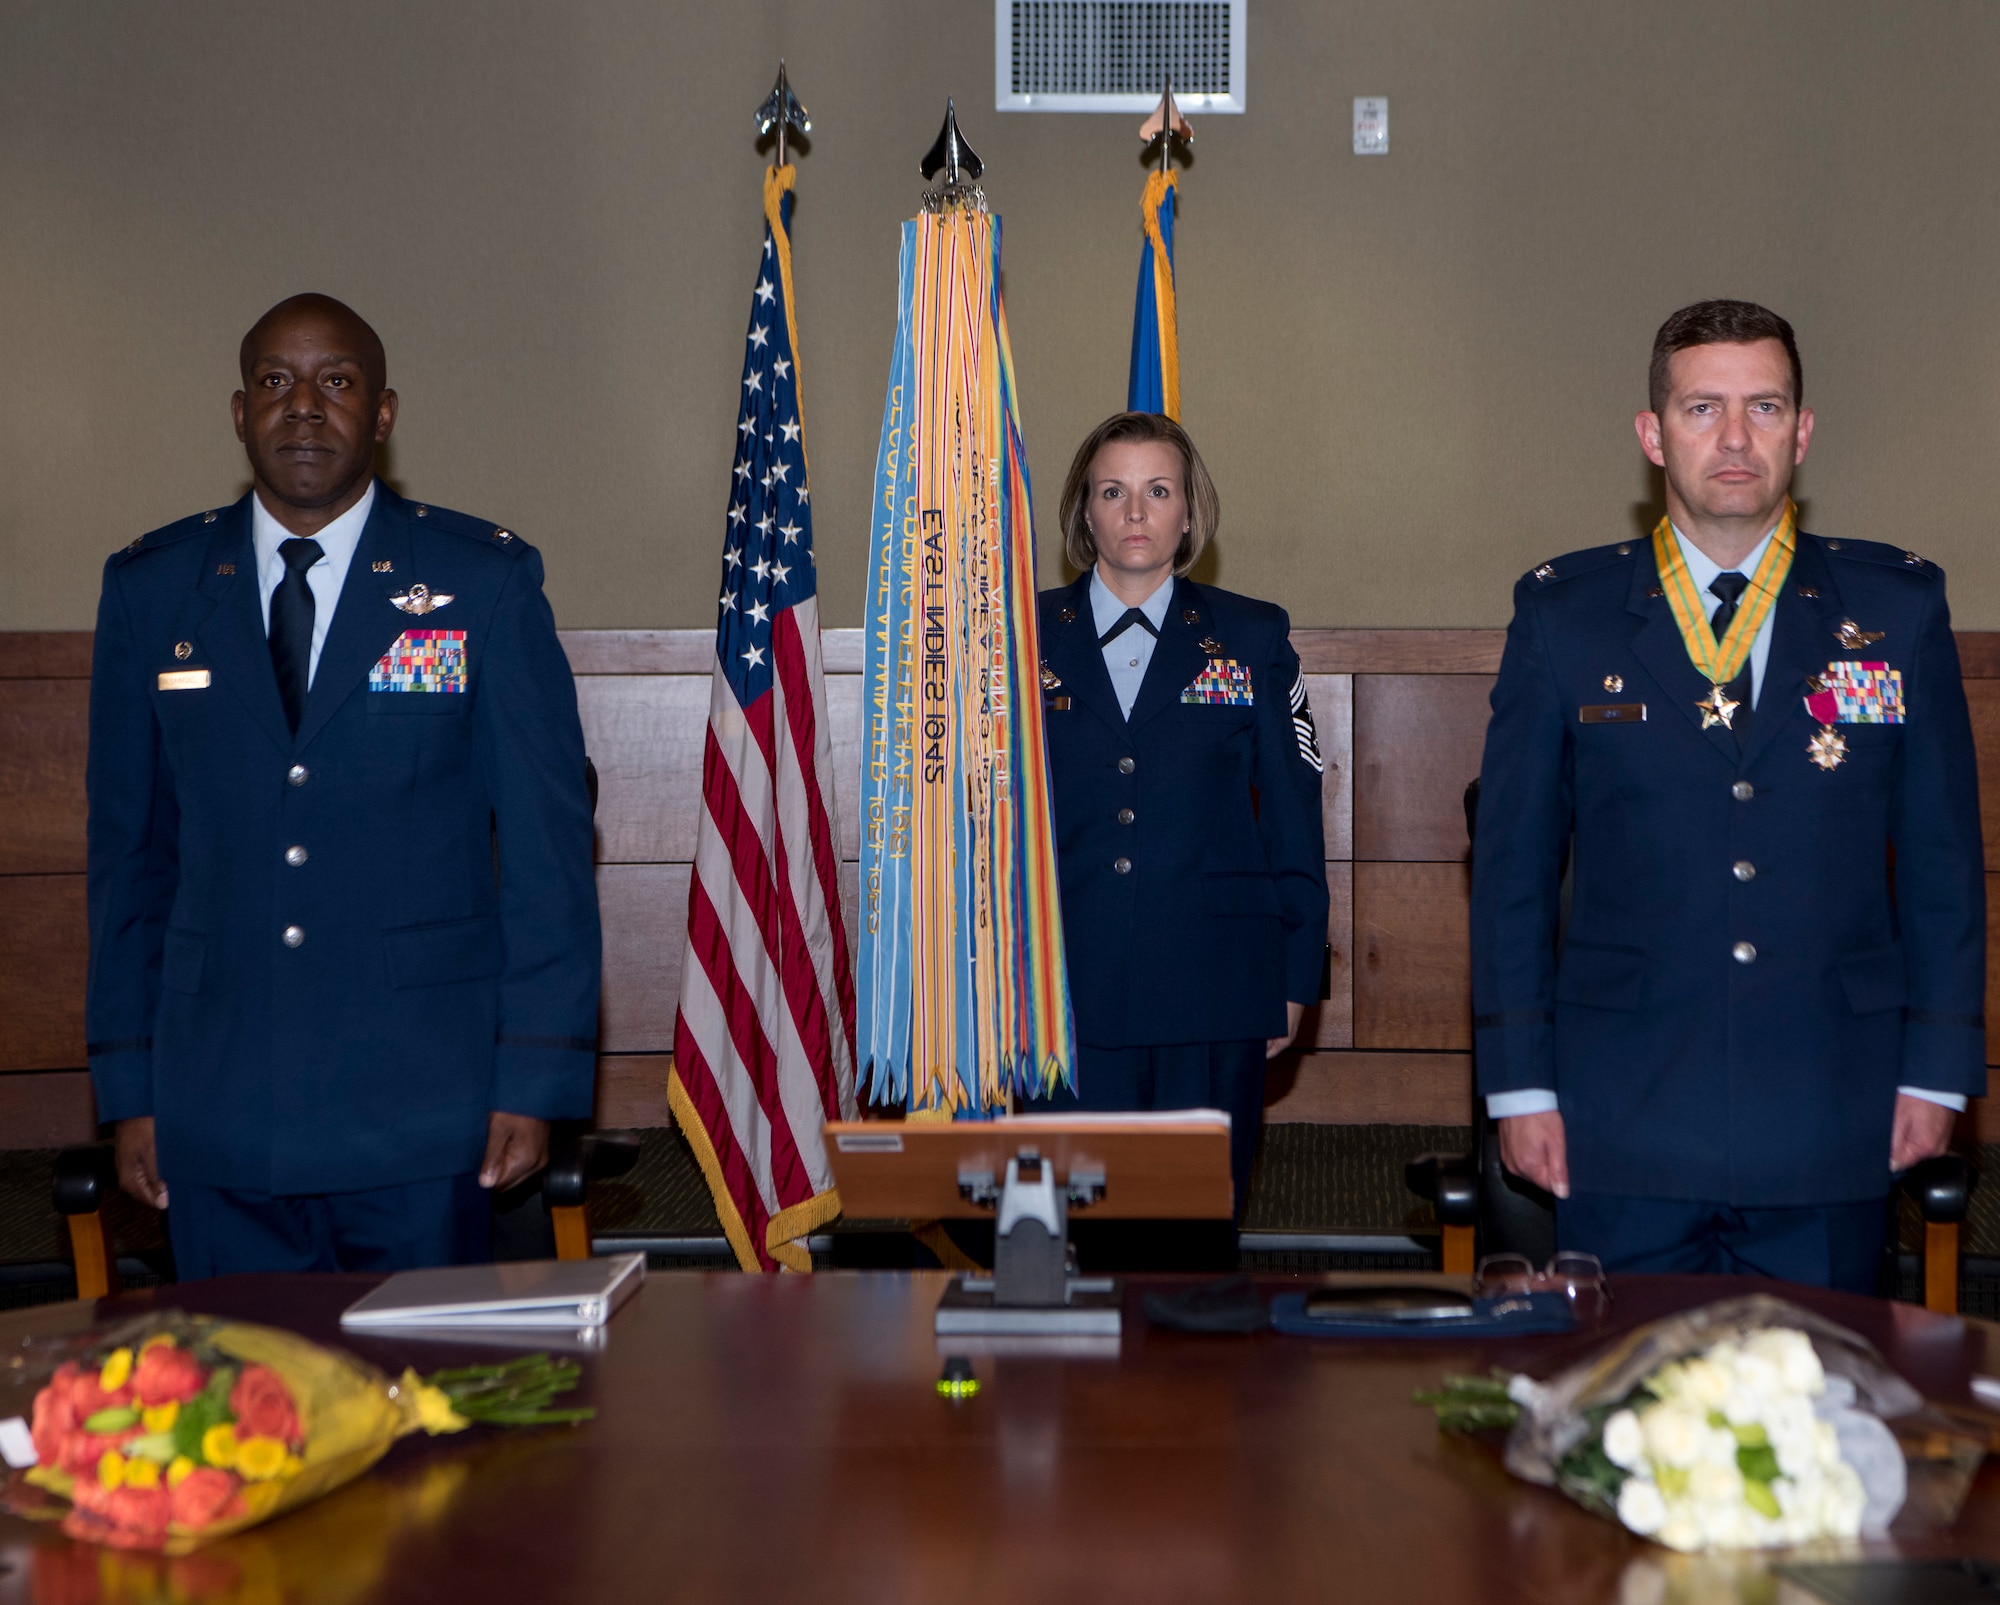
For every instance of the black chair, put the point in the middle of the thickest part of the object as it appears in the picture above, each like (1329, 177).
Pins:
(576, 1159)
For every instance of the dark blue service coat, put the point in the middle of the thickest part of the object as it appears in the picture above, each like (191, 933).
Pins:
(1741, 985)
(448, 954)
(1219, 915)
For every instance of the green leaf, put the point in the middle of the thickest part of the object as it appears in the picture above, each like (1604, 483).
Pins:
(203, 1411)
(158, 1446)
(1758, 1463)
(111, 1420)
(1758, 1496)
(1751, 1437)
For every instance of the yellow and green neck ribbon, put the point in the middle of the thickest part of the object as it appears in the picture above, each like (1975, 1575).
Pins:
(963, 997)
(1721, 661)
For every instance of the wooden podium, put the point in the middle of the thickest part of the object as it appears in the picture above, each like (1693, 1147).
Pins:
(1029, 1172)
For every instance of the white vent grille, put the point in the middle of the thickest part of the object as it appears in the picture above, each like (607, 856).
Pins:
(1113, 55)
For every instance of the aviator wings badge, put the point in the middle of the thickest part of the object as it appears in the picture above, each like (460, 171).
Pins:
(420, 599)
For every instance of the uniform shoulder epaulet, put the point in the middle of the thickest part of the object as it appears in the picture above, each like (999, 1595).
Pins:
(1572, 564)
(179, 530)
(1879, 552)
(1234, 606)
(487, 533)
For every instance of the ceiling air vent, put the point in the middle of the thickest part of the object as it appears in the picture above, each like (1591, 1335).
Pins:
(1113, 55)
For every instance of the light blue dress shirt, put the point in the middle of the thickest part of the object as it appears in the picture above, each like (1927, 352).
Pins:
(1701, 569)
(337, 542)
(1127, 657)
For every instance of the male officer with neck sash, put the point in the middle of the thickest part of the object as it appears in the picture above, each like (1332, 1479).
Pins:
(1750, 747)
(343, 931)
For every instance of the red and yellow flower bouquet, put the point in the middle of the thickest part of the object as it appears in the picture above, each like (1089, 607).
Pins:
(174, 1430)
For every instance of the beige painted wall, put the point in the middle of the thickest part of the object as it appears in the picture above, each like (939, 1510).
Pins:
(1412, 376)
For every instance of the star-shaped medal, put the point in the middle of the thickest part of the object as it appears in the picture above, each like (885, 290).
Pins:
(1717, 709)
(1828, 749)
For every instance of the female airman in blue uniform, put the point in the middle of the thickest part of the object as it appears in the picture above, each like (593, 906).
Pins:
(1186, 778)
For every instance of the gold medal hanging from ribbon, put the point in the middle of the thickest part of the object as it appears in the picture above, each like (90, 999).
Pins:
(1721, 661)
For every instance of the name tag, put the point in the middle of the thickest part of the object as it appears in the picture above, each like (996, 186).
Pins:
(1056, 704)
(184, 680)
(1612, 713)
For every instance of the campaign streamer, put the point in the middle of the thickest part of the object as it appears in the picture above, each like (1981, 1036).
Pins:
(964, 1001)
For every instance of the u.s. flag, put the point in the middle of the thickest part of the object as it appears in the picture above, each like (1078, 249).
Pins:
(764, 1041)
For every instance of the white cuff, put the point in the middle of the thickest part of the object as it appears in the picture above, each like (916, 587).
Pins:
(1951, 1100)
(1531, 1101)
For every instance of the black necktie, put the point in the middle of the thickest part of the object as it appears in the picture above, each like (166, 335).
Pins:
(292, 627)
(1126, 620)
(1730, 588)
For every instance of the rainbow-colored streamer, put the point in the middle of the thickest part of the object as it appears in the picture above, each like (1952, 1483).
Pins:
(964, 1000)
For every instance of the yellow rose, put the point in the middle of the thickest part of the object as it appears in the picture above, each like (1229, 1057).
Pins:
(260, 1459)
(161, 1417)
(141, 1474)
(178, 1469)
(117, 1371)
(111, 1469)
(435, 1412)
(218, 1446)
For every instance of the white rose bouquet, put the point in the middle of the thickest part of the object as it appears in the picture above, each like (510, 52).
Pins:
(1747, 1424)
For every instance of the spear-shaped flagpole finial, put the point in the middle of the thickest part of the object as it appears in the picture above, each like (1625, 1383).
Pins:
(781, 109)
(959, 163)
(1166, 125)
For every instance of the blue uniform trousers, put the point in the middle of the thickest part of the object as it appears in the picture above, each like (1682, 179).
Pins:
(1179, 1075)
(221, 1232)
(1828, 1245)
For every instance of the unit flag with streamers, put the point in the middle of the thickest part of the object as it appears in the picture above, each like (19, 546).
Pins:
(963, 997)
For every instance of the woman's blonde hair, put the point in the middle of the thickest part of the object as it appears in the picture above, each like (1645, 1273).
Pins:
(1204, 506)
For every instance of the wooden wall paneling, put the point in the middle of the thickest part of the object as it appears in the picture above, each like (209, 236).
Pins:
(44, 948)
(1412, 978)
(644, 908)
(843, 718)
(645, 734)
(1417, 744)
(1331, 1025)
(673, 651)
(1332, 700)
(45, 654)
(47, 1110)
(1381, 1089)
(632, 1089)
(1399, 651)
(44, 736)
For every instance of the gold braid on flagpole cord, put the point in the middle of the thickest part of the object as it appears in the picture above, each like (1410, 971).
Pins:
(778, 181)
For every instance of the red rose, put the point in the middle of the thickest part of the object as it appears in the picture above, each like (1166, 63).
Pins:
(262, 1405)
(140, 1510)
(166, 1374)
(55, 1416)
(88, 1398)
(201, 1496)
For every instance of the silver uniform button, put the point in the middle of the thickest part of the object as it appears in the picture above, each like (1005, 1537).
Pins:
(1121, 866)
(1126, 766)
(294, 934)
(296, 774)
(1126, 816)
(1742, 791)
(1743, 870)
(295, 856)
(1743, 953)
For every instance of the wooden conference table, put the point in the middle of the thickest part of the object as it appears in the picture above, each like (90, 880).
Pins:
(766, 1439)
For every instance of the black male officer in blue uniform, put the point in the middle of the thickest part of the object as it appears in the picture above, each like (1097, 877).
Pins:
(344, 939)
(1750, 1020)
(1186, 778)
